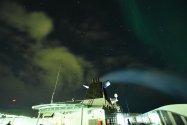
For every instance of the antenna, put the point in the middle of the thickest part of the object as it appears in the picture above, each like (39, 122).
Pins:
(55, 84)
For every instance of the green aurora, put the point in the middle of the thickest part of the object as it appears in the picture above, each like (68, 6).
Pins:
(160, 24)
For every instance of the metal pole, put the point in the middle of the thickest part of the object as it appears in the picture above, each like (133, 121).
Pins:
(38, 118)
(55, 85)
(82, 115)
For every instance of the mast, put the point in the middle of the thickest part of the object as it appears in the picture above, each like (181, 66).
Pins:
(56, 84)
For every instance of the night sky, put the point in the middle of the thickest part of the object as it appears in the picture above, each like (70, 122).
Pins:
(139, 45)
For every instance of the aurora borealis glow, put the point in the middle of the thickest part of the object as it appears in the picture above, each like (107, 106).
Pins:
(92, 39)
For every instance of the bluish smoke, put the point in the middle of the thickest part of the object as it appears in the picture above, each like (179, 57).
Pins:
(166, 83)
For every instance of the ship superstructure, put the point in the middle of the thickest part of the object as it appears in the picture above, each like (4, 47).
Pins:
(95, 109)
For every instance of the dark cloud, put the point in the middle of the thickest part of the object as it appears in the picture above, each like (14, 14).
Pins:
(28, 67)
(88, 39)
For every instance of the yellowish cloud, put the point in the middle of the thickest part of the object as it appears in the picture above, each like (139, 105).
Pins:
(37, 24)
(50, 59)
